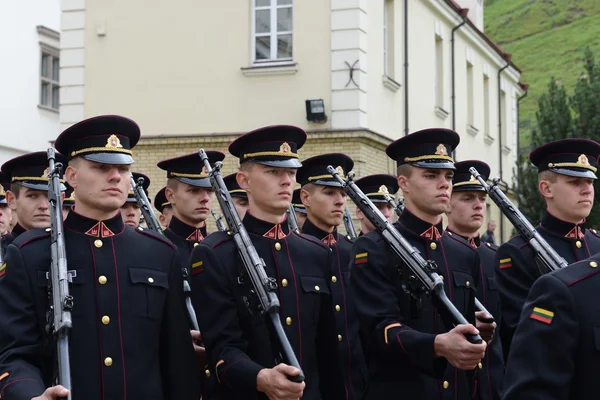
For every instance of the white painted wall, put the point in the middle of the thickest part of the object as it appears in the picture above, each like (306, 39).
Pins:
(24, 127)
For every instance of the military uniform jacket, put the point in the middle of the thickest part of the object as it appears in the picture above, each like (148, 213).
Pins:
(491, 372)
(555, 351)
(129, 338)
(239, 343)
(185, 238)
(398, 332)
(352, 357)
(517, 268)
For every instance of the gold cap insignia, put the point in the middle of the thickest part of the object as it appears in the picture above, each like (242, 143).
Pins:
(285, 148)
(583, 160)
(383, 190)
(113, 142)
(473, 179)
(340, 170)
(2, 192)
(204, 171)
(46, 172)
(441, 150)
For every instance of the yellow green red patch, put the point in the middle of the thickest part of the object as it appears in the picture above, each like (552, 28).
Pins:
(361, 258)
(197, 267)
(542, 315)
(505, 263)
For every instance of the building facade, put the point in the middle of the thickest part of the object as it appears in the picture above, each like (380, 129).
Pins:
(30, 46)
(195, 73)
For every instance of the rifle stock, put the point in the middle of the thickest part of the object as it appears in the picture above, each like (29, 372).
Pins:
(349, 224)
(218, 221)
(292, 220)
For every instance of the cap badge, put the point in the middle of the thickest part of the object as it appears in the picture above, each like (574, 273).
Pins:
(441, 150)
(113, 142)
(583, 160)
(46, 172)
(2, 192)
(340, 170)
(473, 179)
(204, 171)
(383, 190)
(285, 148)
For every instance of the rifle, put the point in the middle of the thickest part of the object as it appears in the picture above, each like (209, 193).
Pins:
(292, 220)
(61, 302)
(546, 256)
(349, 224)
(218, 221)
(424, 278)
(264, 287)
(398, 207)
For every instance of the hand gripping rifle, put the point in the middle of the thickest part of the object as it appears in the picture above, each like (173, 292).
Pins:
(424, 278)
(349, 224)
(264, 287)
(59, 316)
(545, 255)
(292, 220)
(218, 220)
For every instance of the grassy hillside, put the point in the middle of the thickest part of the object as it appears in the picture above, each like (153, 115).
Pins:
(547, 39)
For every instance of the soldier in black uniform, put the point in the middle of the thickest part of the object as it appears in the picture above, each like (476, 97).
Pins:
(68, 201)
(242, 349)
(555, 350)
(131, 211)
(238, 195)
(325, 200)
(129, 338)
(164, 208)
(567, 170)
(410, 353)
(468, 206)
(299, 208)
(375, 187)
(5, 215)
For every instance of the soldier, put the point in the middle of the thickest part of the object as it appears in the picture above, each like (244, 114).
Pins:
(164, 208)
(243, 351)
(5, 211)
(468, 206)
(375, 187)
(299, 208)
(325, 200)
(131, 211)
(409, 350)
(68, 201)
(567, 170)
(129, 336)
(238, 195)
(554, 353)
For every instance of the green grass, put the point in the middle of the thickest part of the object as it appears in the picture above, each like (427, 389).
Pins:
(547, 39)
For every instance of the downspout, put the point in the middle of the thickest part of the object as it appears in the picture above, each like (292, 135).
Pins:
(507, 57)
(463, 13)
(405, 67)
(525, 87)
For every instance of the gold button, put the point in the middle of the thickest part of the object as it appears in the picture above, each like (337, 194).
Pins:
(98, 243)
(468, 283)
(339, 338)
(207, 372)
(106, 320)
(317, 288)
(151, 280)
(593, 231)
(288, 321)
(337, 307)
(433, 246)
(333, 279)
(277, 246)
(349, 237)
(108, 361)
(578, 244)
(593, 264)
(140, 228)
(480, 365)
(442, 277)
(196, 244)
(446, 384)
(284, 282)
(102, 279)
(48, 229)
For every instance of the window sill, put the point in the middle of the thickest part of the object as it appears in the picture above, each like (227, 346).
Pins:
(441, 113)
(42, 107)
(488, 139)
(390, 83)
(270, 69)
(471, 130)
(505, 150)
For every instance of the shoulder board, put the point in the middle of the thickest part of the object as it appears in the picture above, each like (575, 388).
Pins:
(459, 240)
(31, 236)
(215, 239)
(579, 271)
(347, 238)
(594, 232)
(489, 246)
(311, 239)
(154, 235)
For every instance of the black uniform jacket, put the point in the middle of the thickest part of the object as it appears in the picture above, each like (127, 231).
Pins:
(352, 357)
(398, 331)
(239, 343)
(517, 268)
(185, 238)
(129, 339)
(555, 353)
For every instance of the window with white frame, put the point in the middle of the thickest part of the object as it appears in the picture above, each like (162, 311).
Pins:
(388, 38)
(272, 31)
(503, 119)
(470, 95)
(486, 104)
(49, 81)
(439, 71)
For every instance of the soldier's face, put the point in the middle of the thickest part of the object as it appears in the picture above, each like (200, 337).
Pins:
(32, 206)
(269, 188)
(324, 205)
(191, 204)
(5, 216)
(366, 226)
(467, 212)
(165, 216)
(241, 205)
(428, 190)
(569, 198)
(131, 214)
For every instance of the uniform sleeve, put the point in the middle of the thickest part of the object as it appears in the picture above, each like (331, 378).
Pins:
(217, 312)
(178, 362)
(21, 351)
(516, 271)
(535, 369)
(376, 293)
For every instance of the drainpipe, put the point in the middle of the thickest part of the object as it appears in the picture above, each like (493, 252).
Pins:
(507, 58)
(405, 67)
(463, 13)
(525, 88)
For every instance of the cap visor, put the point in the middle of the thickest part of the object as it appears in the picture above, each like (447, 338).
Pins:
(36, 186)
(469, 188)
(325, 182)
(289, 163)
(201, 182)
(434, 165)
(239, 195)
(578, 173)
(300, 210)
(3, 200)
(377, 199)
(68, 203)
(109, 158)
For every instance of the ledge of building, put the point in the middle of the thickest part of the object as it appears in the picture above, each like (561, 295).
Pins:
(441, 113)
(390, 83)
(488, 139)
(271, 69)
(471, 130)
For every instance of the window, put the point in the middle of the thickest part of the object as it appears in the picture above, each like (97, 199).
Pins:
(439, 72)
(388, 38)
(272, 31)
(470, 94)
(503, 119)
(486, 104)
(49, 83)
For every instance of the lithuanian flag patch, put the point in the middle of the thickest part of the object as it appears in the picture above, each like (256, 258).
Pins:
(361, 258)
(2, 270)
(542, 315)
(197, 267)
(505, 263)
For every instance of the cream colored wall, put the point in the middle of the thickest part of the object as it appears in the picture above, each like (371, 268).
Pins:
(176, 68)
